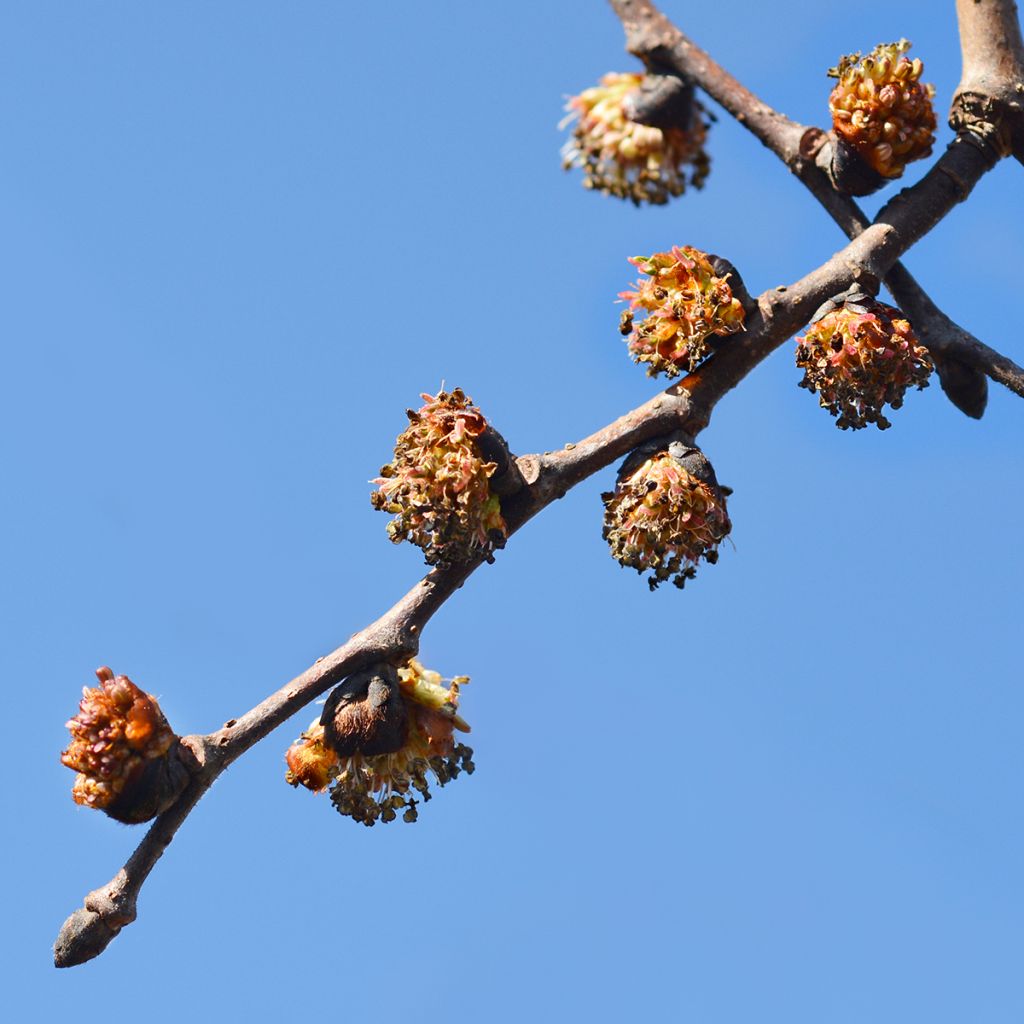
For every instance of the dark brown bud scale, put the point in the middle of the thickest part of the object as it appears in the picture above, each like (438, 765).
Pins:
(366, 714)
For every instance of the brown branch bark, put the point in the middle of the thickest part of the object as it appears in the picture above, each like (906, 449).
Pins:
(960, 357)
(684, 408)
(990, 97)
(652, 38)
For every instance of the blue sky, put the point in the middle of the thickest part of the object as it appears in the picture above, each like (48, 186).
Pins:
(241, 238)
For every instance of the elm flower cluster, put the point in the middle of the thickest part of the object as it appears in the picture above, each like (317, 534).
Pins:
(663, 519)
(628, 160)
(377, 787)
(880, 107)
(120, 743)
(438, 485)
(685, 304)
(861, 359)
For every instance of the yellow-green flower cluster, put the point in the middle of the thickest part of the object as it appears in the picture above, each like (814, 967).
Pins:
(880, 107)
(685, 304)
(860, 360)
(438, 485)
(377, 787)
(662, 519)
(628, 160)
(120, 742)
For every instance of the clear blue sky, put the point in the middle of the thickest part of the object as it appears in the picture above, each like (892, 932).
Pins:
(239, 239)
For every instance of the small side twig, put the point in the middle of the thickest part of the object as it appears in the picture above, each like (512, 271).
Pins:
(989, 100)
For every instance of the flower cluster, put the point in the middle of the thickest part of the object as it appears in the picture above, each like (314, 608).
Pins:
(861, 359)
(438, 485)
(376, 787)
(120, 745)
(628, 160)
(685, 304)
(663, 517)
(881, 109)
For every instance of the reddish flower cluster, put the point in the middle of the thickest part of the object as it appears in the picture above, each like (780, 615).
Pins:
(881, 109)
(685, 304)
(861, 359)
(662, 518)
(375, 787)
(628, 160)
(120, 746)
(438, 485)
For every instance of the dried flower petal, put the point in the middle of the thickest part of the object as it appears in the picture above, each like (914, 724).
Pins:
(628, 160)
(685, 304)
(880, 107)
(663, 517)
(438, 484)
(861, 359)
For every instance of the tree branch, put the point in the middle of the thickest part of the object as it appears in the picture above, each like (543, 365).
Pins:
(990, 97)
(684, 408)
(652, 38)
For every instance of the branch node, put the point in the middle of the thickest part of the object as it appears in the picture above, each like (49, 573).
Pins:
(985, 122)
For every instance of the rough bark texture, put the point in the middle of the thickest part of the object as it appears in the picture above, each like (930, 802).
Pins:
(989, 100)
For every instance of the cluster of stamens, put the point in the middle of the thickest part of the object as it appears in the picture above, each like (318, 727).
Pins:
(662, 519)
(628, 160)
(685, 305)
(861, 359)
(880, 107)
(438, 485)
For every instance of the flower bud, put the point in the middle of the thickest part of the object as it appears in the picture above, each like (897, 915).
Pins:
(666, 513)
(438, 485)
(124, 751)
(859, 358)
(629, 160)
(881, 109)
(685, 304)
